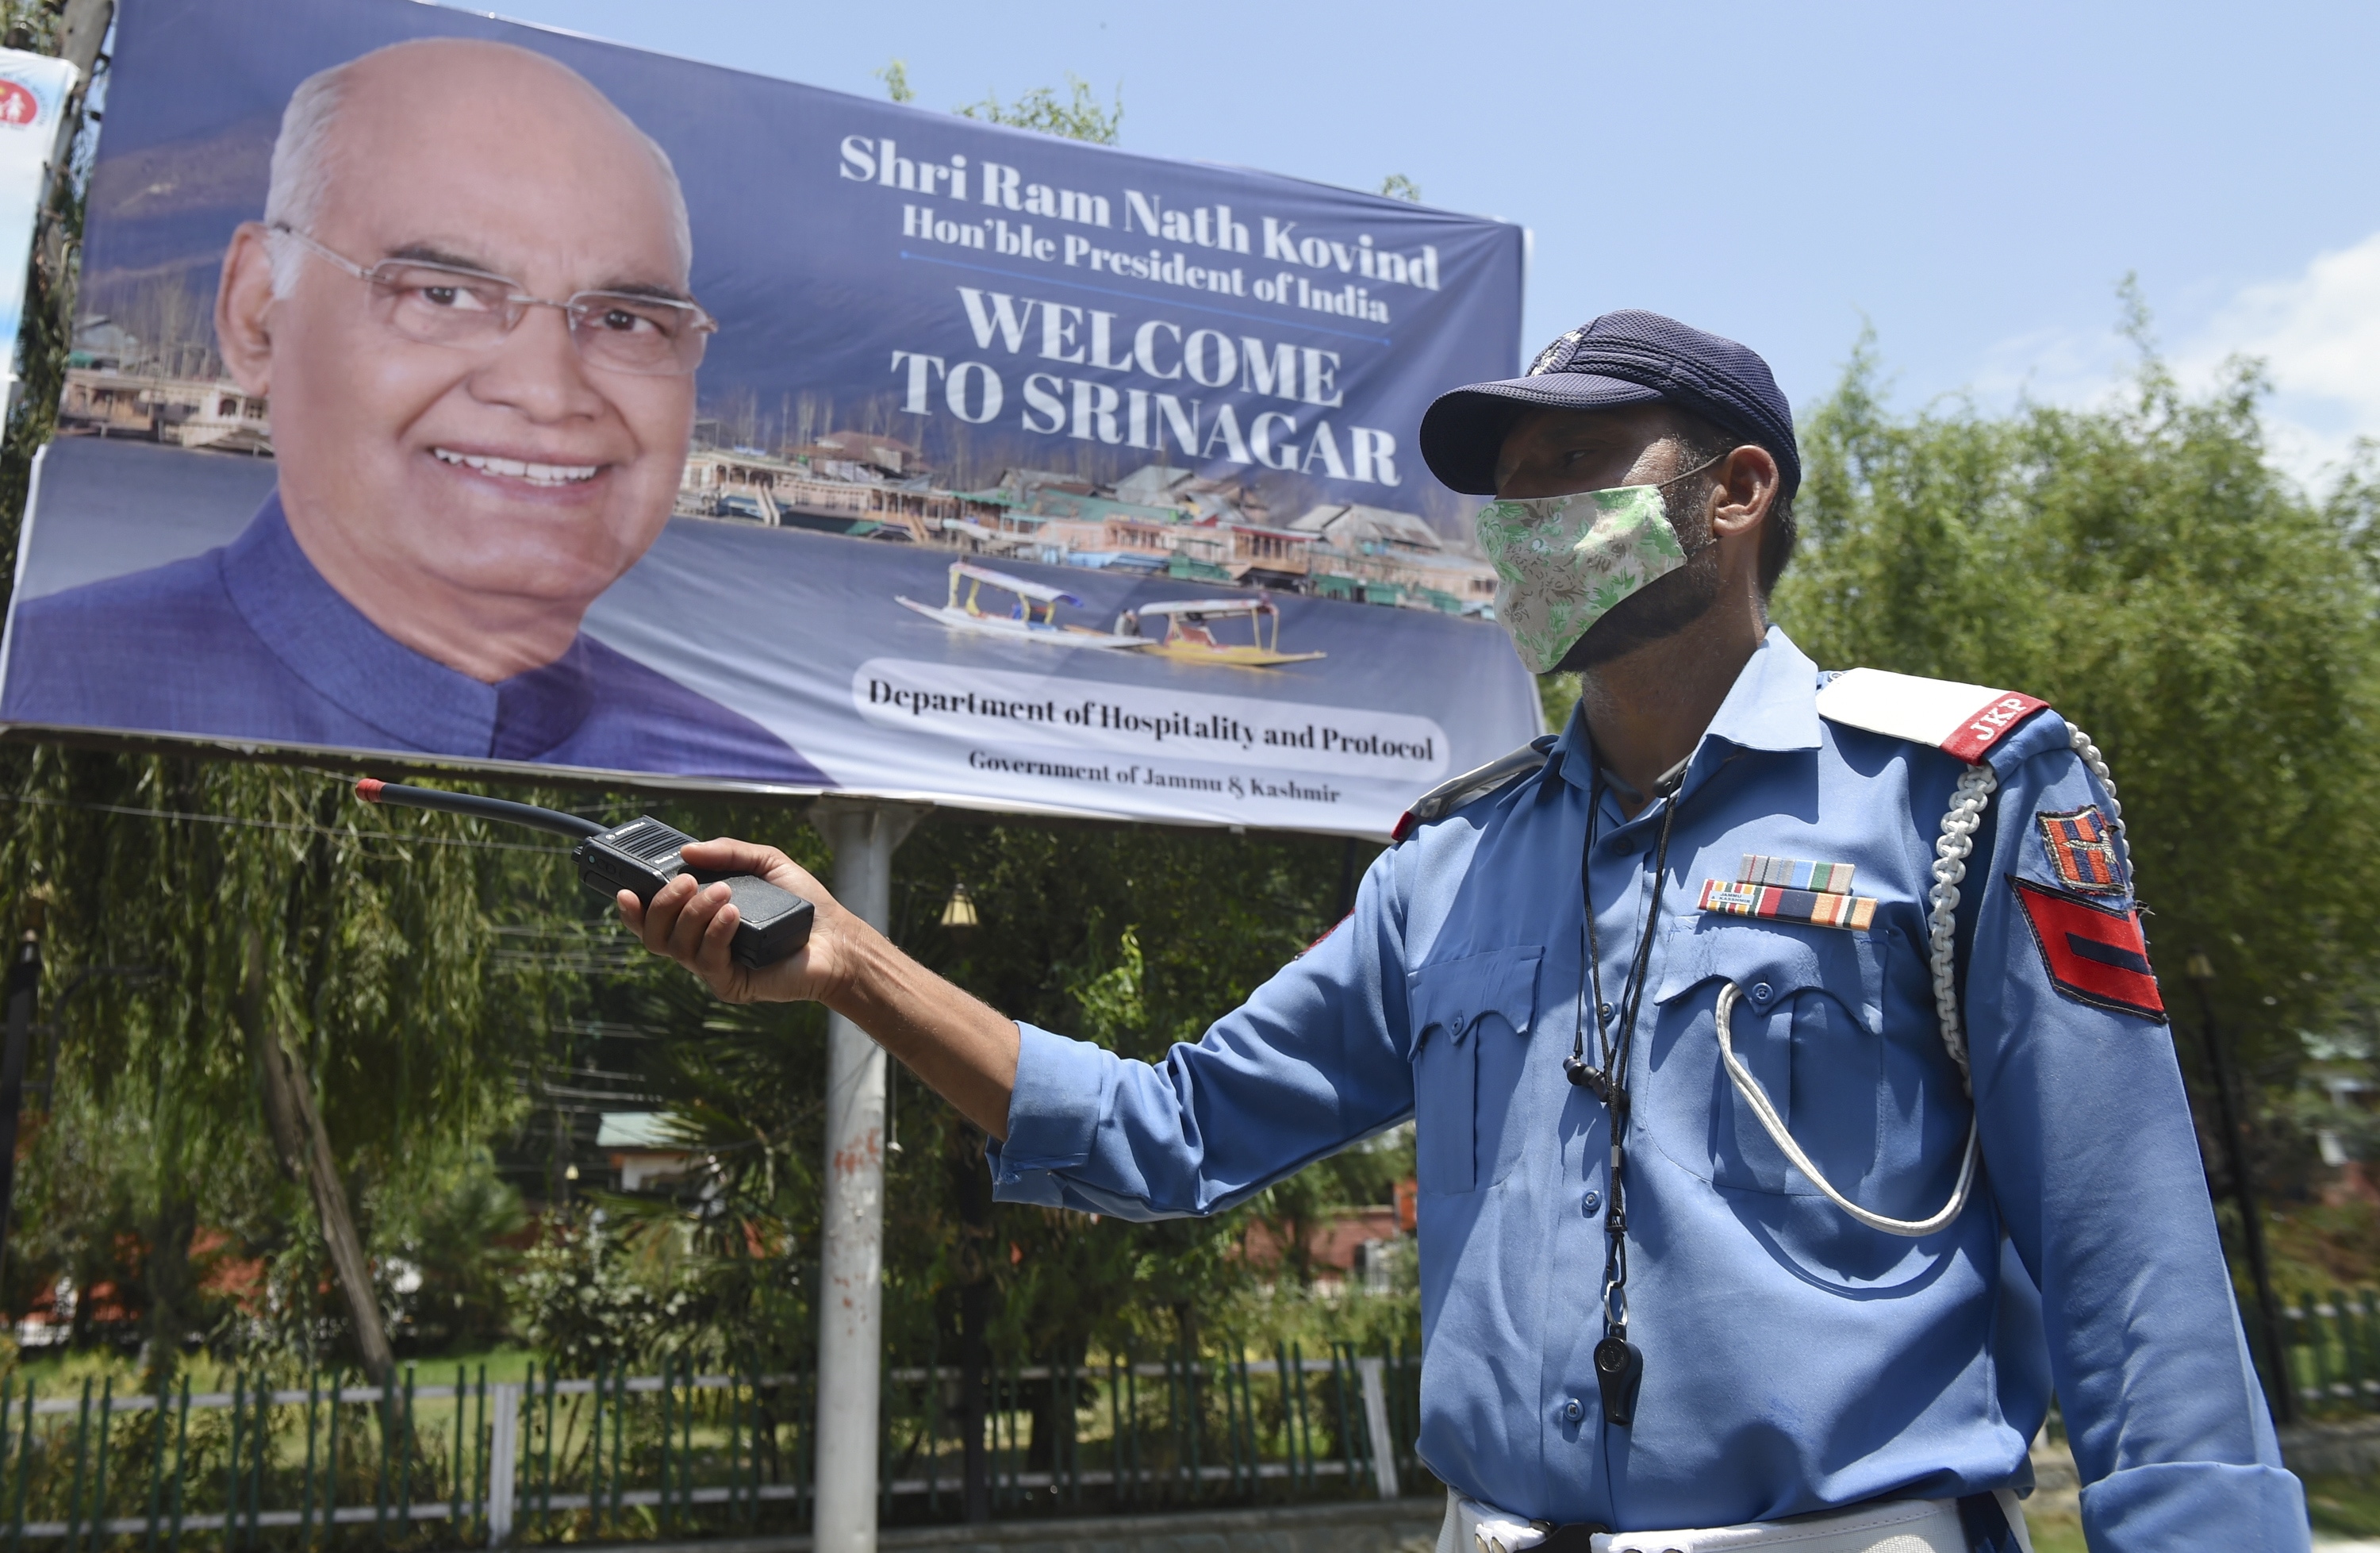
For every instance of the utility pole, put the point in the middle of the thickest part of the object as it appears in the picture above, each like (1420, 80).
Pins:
(2283, 1390)
(24, 989)
(851, 1272)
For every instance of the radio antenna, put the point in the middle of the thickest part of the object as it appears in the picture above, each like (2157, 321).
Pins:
(374, 791)
(641, 857)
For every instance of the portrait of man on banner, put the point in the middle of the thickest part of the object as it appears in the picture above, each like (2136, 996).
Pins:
(468, 303)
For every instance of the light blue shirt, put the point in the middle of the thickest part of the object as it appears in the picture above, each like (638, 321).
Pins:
(1794, 1359)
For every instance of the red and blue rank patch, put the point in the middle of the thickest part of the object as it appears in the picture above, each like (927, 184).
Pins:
(2094, 953)
(2082, 851)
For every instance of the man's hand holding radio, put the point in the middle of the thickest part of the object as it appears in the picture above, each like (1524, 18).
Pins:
(961, 1049)
(693, 925)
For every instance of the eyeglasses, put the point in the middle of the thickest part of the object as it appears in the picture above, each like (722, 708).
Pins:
(446, 304)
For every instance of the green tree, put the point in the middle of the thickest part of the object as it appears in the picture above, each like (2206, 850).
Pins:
(284, 921)
(2142, 566)
(1077, 117)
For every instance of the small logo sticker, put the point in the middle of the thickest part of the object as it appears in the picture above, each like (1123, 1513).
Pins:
(2082, 851)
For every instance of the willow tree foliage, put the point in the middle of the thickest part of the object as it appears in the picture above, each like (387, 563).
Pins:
(363, 940)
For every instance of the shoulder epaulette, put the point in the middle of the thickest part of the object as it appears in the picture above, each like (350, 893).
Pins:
(1958, 719)
(1477, 783)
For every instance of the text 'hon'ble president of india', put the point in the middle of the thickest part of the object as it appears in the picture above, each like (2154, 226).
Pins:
(463, 467)
(1794, 1103)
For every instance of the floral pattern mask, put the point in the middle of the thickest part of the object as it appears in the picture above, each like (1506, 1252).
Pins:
(1563, 563)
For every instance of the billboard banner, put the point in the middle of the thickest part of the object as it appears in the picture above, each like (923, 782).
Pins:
(33, 91)
(451, 390)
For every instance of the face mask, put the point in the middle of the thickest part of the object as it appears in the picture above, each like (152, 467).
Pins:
(1563, 563)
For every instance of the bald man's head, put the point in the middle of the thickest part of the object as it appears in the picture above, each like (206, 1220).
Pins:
(349, 116)
(454, 302)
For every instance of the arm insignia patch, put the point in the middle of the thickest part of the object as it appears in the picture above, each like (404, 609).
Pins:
(2094, 953)
(2081, 852)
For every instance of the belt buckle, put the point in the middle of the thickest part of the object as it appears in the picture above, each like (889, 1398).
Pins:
(1577, 1537)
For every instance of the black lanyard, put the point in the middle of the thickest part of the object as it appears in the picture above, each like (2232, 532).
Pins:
(1619, 1364)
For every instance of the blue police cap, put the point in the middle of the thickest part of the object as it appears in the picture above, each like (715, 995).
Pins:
(1621, 359)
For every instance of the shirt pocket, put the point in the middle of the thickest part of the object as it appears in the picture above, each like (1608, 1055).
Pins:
(1459, 1007)
(1808, 1026)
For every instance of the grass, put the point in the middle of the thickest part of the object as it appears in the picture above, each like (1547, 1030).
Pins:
(2055, 1533)
(2348, 1507)
(60, 1372)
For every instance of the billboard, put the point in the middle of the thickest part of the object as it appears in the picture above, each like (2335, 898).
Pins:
(33, 91)
(452, 389)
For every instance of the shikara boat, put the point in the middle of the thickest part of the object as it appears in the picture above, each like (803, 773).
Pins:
(1033, 617)
(1190, 631)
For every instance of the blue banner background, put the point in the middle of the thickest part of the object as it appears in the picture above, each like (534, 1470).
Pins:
(817, 286)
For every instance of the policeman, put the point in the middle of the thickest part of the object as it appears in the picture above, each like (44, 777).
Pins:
(1793, 1101)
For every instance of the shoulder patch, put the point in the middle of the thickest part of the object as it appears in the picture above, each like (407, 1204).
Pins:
(2082, 851)
(1958, 719)
(1477, 783)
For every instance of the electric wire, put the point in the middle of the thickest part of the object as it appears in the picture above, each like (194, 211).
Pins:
(293, 826)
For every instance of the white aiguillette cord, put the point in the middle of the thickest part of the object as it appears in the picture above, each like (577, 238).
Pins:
(1959, 826)
(1758, 1098)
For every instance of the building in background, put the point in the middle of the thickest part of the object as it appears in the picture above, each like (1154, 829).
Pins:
(1157, 520)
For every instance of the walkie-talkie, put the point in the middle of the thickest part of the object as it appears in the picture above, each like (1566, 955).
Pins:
(641, 857)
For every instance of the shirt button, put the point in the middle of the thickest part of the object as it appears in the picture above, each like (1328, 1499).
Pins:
(1593, 1201)
(1574, 1410)
(1761, 992)
(1605, 1011)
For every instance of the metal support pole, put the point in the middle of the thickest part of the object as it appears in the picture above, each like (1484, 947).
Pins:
(502, 1402)
(1376, 1424)
(851, 1293)
(24, 986)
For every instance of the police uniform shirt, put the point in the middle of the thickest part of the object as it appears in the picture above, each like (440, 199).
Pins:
(1795, 1361)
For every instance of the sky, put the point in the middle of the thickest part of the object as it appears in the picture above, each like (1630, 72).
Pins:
(1971, 183)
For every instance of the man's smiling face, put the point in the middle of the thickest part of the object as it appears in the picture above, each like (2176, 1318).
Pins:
(512, 480)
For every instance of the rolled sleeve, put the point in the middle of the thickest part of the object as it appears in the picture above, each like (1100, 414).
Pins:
(2168, 1505)
(1063, 1087)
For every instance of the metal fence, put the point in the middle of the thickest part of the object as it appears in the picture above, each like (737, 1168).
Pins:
(2333, 1344)
(614, 1456)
